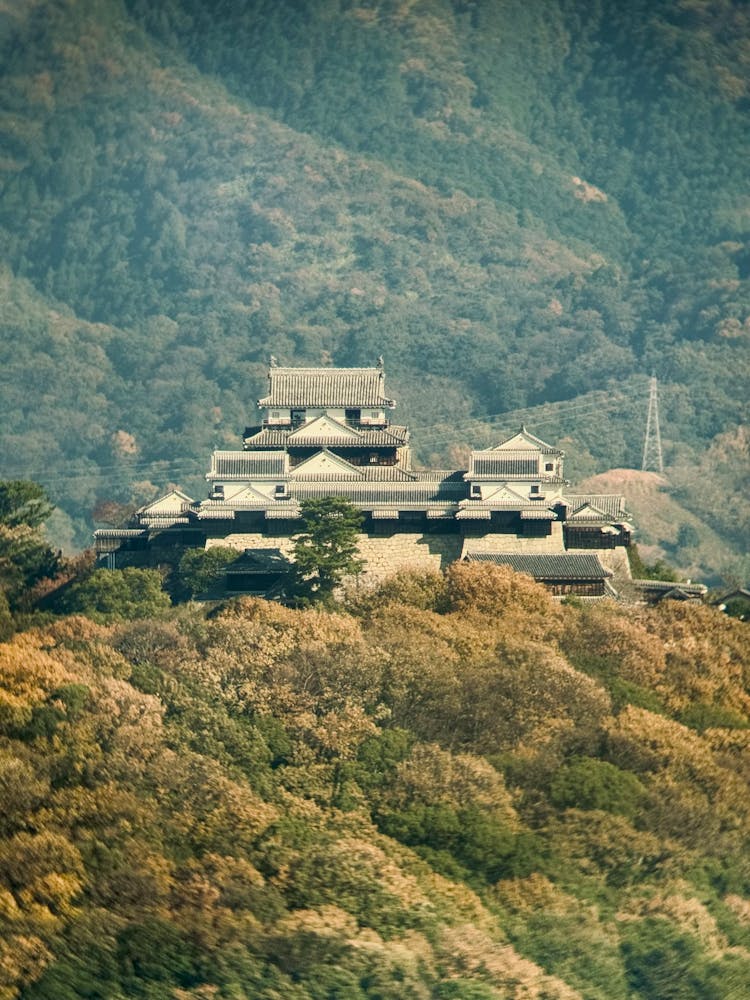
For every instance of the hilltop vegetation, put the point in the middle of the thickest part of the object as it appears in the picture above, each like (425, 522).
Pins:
(515, 203)
(456, 789)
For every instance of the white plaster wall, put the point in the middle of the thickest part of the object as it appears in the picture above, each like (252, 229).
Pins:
(368, 416)
(282, 415)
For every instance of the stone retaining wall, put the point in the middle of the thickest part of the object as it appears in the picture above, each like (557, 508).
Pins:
(499, 542)
(383, 555)
(615, 559)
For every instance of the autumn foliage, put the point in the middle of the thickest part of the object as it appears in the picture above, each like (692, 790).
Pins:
(455, 788)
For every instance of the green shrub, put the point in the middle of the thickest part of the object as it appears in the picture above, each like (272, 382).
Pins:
(200, 570)
(118, 594)
(587, 783)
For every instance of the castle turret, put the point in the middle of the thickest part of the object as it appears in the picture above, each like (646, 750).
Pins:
(344, 410)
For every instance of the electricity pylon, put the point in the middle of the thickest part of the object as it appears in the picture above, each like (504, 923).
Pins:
(652, 456)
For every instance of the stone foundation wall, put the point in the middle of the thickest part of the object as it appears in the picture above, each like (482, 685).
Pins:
(383, 555)
(498, 542)
(615, 559)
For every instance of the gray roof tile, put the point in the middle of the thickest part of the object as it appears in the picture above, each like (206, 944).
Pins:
(347, 387)
(121, 533)
(611, 504)
(274, 437)
(504, 464)
(248, 465)
(547, 566)
(260, 561)
(524, 441)
(694, 589)
(408, 493)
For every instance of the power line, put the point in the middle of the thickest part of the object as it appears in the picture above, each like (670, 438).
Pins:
(588, 408)
(599, 401)
(115, 475)
(508, 416)
(124, 473)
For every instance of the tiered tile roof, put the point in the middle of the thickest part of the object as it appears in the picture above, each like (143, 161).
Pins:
(667, 586)
(505, 465)
(336, 387)
(410, 494)
(362, 437)
(260, 482)
(522, 441)
(609, 504)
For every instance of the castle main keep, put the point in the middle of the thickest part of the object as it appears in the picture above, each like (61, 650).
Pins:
(328, 432)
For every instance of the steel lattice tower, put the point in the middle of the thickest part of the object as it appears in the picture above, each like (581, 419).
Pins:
(652, 456)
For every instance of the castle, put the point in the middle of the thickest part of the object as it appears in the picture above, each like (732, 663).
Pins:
(327, 432)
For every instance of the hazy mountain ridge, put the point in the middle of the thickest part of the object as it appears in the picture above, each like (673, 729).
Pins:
(513, 205)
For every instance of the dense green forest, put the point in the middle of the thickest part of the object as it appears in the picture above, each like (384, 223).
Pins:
(518, 204)
(456, 789)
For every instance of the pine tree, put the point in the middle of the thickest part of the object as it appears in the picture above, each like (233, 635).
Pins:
(23, 502)
(326, 550)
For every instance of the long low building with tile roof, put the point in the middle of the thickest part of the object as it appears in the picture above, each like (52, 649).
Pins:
(326, 432)
(563, 573)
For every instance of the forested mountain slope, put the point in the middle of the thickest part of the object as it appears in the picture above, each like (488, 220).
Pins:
(515, 203)
(454, 790)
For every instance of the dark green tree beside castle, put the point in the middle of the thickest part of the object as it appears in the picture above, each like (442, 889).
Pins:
(326, 550)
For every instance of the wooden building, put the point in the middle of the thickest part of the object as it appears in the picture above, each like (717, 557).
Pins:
(736, 603)
(327, 432)
(562, 573)
(656, 591)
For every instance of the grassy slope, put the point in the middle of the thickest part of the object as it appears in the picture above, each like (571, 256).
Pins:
(660, 516)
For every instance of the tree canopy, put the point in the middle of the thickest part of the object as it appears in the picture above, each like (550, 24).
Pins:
(411, 795)
(124, 594)
(326, 550)
(201, 569)
(23, 503)
(26, 557)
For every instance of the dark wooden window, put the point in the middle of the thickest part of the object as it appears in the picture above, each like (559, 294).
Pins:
(584, 588)
(590, 538)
